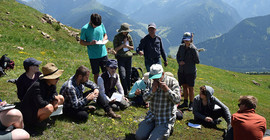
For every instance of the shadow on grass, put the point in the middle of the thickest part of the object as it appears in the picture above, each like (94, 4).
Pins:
(130, 136)
(206, 125)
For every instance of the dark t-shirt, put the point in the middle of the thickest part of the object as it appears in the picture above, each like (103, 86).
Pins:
(23, 83)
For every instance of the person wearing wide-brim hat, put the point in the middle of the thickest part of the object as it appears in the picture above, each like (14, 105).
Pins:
(41, 99)
(123, 44)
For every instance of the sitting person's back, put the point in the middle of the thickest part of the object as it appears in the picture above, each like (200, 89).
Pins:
(31, 74)
(246, 124)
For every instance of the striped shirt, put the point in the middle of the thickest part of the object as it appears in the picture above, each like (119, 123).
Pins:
(163, 107)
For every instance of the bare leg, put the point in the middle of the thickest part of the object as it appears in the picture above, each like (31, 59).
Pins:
(96, 77)
(45, 112)
(12, 117)
(186, 91)
(191, 93)
(20, 134)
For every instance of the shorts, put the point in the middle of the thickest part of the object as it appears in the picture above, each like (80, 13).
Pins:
(188, 79)
(99, 62)
(4, 135)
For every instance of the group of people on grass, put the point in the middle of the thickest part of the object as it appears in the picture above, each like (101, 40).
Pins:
(157, 90)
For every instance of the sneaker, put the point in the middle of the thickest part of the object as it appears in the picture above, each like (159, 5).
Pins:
(190, 107)
(185, 104)
(217, 121)
(90, 108)
(110, 113)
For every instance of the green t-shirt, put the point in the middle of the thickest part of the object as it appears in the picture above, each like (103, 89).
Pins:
(88, 33)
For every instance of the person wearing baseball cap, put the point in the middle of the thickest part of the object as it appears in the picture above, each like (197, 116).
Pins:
(123, 44)
(109, 84)
(151, 48)
(42, 99)
(163, 96)
(31, 74)
(187, 57)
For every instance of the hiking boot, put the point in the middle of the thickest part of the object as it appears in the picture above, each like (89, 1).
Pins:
(217, 121)
(190, 107)
(110, 113)
(90, 108)
(185, 104)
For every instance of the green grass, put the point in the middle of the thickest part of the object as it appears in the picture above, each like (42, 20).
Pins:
(68, 54)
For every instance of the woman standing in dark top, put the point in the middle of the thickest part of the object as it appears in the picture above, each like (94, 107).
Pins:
(123, 44)
(42, 99)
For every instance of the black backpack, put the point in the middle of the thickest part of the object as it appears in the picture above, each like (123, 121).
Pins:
(135, 74)
(5, 64)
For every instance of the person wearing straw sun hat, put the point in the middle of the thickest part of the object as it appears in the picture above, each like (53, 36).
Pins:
(41, 99)
(123, 44)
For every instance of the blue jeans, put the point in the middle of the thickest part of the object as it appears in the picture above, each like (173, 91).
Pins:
(148, 130)
(124, 65)
(150, 62)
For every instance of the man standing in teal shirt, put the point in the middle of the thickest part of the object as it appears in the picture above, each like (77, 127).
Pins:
(91, 34)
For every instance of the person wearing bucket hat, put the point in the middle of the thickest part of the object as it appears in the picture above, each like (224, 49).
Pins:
(123, 44)
(91, 33)
(109, 85)
(42, 99)
(151, 47)
(187, 57)
(31, 74)
(163, 96)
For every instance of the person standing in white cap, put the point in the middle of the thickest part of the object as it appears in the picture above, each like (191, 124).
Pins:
(187, 57)
(163, 96)
(151, 47)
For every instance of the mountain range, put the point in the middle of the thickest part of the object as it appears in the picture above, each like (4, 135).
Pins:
(244, 48)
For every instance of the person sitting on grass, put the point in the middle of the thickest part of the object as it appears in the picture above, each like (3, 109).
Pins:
(246, 124)
(32, 73)
(204, 108)
(41, 99)
(108, 82)
(12, 118)
(138, 90)
(163, 96)
(76, 101)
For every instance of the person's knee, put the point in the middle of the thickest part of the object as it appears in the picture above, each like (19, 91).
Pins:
(14, 115)
(140, 136)
(49, 108)
(20, 134)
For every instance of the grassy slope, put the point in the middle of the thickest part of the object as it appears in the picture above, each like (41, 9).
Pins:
(67, 54)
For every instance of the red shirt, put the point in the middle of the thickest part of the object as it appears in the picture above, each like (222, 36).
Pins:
(247, 125)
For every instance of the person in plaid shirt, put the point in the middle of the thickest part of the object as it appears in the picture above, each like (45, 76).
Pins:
(76, 101)
(164, 96)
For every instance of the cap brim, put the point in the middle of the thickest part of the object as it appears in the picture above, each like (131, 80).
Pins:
(53, 76)
(156, 76)
(152, 27)
(187, 39)
(121, 31)
(38, 62)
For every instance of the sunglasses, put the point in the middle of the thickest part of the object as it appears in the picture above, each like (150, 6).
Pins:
(239, 105)
(113, 67)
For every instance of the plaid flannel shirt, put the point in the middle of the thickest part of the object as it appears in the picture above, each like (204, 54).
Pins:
(73, 93)
(163, 107)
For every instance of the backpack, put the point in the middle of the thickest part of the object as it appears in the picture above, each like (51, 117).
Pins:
(5, 64)
(135, 76)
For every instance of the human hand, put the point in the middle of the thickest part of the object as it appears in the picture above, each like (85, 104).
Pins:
(3, 103)
(137, 92)
(92, 96)
(166, 63)
(182, 63)
(141, 53)
(112, 101)
(208, 119)
(93, 42)
(126, 99)
(163, 86)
